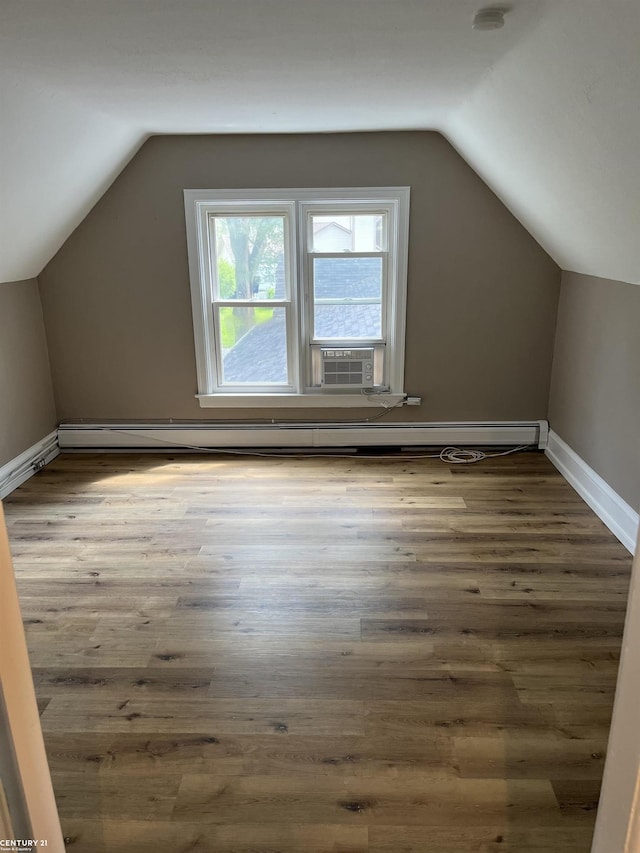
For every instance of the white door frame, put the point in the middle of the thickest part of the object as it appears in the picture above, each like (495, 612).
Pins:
(618, 822)
(22, 715)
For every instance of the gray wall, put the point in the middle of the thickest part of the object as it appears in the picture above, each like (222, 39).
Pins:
(482, 293)
(27, 411)
(595, 391)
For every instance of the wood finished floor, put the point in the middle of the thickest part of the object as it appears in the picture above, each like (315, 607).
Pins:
(248, 655)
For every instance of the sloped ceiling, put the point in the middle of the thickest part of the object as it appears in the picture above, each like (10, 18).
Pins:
(546, 109)
(554, 129)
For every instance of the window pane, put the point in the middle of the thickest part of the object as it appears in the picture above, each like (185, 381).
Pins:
(249, 257)
(347, 298)
(366, 232)
(254, 345)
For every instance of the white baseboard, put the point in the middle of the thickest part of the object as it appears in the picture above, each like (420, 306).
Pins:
(619, 517)
(184, 436)
(615, 512)
(19, 469)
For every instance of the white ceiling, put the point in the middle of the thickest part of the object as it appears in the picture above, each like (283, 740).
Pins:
(546, 109)
(555, 131)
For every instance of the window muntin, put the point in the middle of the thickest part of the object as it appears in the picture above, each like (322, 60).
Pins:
(257, 320)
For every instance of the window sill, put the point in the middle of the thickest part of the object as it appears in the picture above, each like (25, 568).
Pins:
(299, 401)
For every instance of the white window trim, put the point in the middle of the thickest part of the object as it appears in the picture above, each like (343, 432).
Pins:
(309, 400)
(198, 203)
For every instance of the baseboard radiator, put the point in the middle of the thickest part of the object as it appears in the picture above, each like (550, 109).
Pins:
(19, 469)
(207, 436)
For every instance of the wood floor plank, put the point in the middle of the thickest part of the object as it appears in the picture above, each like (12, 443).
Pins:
(520, 756)
(362, 801)
(460, 716)
(336, 757)
(117, 836)
(230, 682)
(308, 655)
(85, 794)
(186, 714)
(497, 838)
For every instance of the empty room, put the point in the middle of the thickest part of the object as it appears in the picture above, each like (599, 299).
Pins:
(319, 426)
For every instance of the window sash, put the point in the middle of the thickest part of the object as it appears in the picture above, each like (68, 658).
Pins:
(251, 211)
(312, 301)
(286, 387)
(343, 209)
(288, 303)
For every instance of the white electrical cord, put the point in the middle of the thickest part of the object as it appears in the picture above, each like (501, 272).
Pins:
(457, 455)
(451, 455)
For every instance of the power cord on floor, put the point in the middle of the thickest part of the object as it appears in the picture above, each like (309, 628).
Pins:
(457, 455)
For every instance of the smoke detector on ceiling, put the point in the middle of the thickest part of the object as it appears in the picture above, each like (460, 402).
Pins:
(489, 19)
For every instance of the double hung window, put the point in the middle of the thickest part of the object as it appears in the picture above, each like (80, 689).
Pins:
(298, 294)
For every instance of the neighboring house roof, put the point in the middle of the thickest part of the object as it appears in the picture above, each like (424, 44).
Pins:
(332, 237)
(351, 278)
(260, 356)
(348, 321)
(339, 278)
(319, 228)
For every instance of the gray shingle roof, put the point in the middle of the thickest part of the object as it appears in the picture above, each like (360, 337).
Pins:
(354, 278)
(260, 356)
(339, 277)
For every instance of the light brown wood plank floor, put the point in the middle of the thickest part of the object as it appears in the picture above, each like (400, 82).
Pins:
(242, 655)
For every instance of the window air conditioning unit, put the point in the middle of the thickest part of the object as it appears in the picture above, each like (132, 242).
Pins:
(352, 367)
